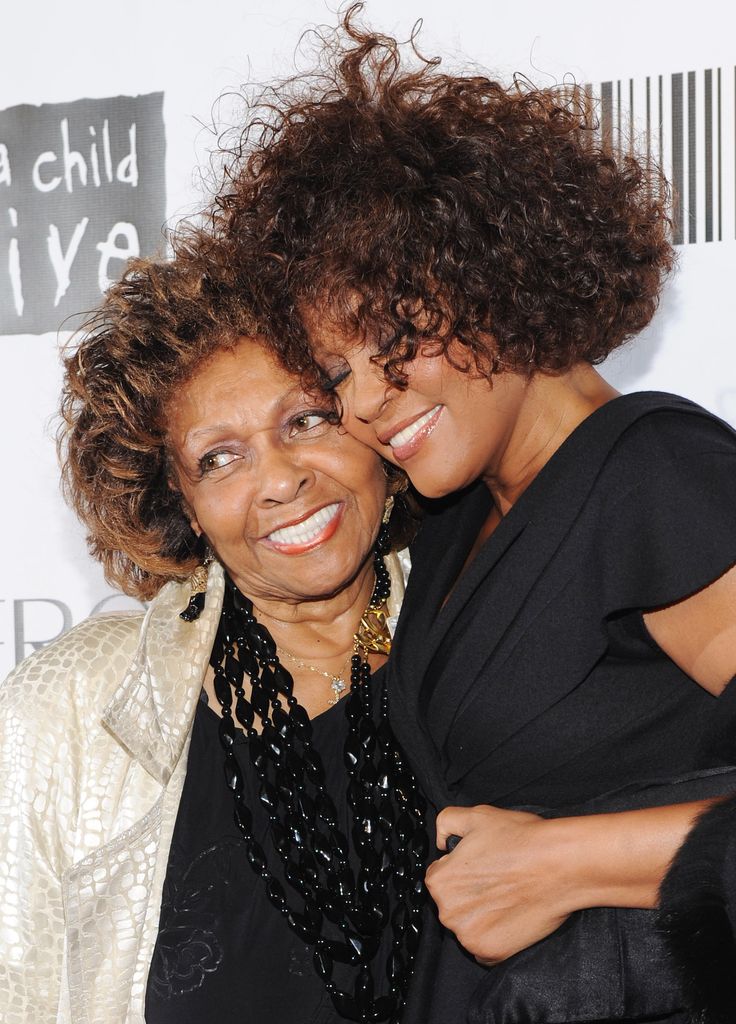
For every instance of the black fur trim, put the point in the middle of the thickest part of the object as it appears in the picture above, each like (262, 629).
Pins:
(698, 915)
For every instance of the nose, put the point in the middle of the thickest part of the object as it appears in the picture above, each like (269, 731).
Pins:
(367, 394)
(282, 477)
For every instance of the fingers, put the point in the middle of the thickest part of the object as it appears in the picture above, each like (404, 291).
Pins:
(452, 821)
(457, 822)
(478, 926)
(494, 892)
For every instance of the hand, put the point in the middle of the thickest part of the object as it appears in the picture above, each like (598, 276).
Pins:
(497, 891)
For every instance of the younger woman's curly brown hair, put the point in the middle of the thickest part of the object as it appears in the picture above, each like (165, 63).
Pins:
(155, 328)
(410, 204)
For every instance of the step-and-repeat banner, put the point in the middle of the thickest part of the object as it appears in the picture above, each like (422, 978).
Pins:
(83, 190)
(96, 155)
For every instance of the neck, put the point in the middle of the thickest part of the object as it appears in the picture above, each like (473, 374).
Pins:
(549, 408)
(318, 629)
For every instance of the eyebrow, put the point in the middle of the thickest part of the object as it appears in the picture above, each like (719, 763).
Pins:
(215, 428)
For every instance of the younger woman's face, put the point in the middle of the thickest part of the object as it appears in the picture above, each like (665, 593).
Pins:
(447, 429)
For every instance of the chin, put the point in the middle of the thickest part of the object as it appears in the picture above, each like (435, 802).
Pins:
(333, 577)
(432, 492)
(441, 487)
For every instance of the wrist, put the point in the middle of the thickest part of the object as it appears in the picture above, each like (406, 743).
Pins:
(618, 859)
(571, 863)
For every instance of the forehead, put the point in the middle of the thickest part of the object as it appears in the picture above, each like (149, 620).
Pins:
(329, 333)
(244, 359)
(242, 381)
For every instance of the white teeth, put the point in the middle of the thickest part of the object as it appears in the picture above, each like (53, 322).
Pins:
(302, 533)
(404, 436)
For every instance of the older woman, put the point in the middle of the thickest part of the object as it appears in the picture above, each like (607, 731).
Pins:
(136, 879)
(459, 256)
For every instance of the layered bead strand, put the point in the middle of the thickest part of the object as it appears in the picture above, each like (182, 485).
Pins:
(343, 912)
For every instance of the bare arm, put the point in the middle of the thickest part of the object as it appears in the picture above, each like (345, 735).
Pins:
(699, 633)
(515, 877)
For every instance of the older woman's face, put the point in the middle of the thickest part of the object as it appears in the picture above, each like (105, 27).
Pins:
(290, 503)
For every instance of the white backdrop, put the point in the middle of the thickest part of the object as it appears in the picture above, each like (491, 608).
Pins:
(195, 53)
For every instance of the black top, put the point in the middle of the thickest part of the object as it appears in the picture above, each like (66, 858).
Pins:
(223, 952)
(537, 685)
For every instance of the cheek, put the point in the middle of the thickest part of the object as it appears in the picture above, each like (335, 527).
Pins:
(359, 430)
(360, 464)
(372, 495)
(361, 474)
(428, 376)
(222, 516)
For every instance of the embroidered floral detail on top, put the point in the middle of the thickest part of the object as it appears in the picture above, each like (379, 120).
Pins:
(184, 954)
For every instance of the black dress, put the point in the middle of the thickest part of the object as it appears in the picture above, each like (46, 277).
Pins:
(537, 686)
(223, 952)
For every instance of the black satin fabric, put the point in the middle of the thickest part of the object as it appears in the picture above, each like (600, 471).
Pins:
(536, 685)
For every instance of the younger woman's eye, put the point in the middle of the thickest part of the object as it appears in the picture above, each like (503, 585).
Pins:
(313, 421)
(334, 376)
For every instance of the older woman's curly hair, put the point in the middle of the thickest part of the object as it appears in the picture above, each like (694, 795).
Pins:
(410, 204)
(156, 327)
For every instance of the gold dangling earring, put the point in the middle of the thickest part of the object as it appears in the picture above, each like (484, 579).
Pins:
(197, 589)
(383, 540)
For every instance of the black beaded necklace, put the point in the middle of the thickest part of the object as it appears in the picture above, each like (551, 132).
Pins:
(343, 911)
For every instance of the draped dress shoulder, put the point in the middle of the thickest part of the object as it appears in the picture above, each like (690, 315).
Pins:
(536, 685)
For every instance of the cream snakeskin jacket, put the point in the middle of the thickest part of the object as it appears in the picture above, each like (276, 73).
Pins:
(94, 734)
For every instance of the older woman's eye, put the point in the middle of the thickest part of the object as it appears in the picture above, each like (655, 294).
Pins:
(215, 460)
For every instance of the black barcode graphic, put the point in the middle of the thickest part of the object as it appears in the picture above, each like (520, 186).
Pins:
(686, 123)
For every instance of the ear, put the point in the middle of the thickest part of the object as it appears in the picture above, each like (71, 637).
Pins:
(173, 486)
(189, 513)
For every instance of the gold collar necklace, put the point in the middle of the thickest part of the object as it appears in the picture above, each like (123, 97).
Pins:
(371, 637)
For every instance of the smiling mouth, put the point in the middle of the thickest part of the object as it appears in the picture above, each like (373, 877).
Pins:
(308, 532)
(406, 440)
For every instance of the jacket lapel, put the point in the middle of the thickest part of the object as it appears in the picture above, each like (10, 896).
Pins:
(433, 572)
(152, 710)
(112, 896)
(524, 537)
